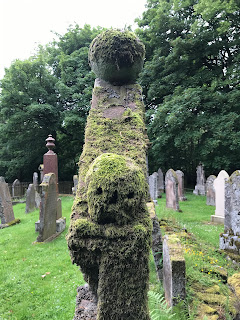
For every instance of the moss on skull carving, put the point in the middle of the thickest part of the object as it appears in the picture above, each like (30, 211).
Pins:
(117, 56)
(116, 189)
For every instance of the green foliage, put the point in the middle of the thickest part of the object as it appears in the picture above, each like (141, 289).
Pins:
(191, 83)
(47, 93)
(158, 306)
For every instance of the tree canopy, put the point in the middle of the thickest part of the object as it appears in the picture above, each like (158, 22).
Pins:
(191, 83)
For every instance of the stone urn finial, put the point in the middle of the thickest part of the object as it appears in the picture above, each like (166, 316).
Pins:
(50, 142)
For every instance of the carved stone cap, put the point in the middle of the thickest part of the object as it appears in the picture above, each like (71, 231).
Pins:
(50, 142)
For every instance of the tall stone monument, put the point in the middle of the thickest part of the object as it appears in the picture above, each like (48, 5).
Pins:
(230, 239)
(200, 188)
(50, 161)
(110, 231)
(6, 209)
(219, 187)
(180, 177)
(210, 190)
(171, 190)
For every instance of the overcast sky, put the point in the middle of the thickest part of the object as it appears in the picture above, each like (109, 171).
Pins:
(26, 23)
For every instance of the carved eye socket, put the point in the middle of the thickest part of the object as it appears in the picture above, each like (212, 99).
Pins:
(130, 195)
(114, 198)
(99, 190)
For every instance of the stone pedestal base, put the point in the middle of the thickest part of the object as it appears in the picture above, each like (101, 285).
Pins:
(60, 225)
(217, 219)
(230, 243)
(86, 304)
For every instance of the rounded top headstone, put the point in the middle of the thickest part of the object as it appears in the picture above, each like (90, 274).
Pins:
(50, 142)
(117, 56)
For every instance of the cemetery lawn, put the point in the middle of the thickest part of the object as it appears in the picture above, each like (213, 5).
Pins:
(207, 269)
(37, 280)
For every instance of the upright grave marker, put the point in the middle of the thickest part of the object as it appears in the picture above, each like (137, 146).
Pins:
(180, 177)
(30, 199)
(200, 188)
(6, 209)
(230, 239)
(210, 190)
(171, 190)
(219, 187)
(160, 182)
(16, 189)
(153, 186)
(110, 231)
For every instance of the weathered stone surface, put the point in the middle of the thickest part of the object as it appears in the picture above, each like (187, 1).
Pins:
(116, 56)
(30, 199)
(6, 214)
(35, 180)
(50, 161)
(180, 177)
(110, 231)
(230, 240)
(219, 187)
(210, 190)
(59, 208)
(60, 224)
(160, 182)
(171, 189)
(174, 278)
(200, 188)
(16, 189)
(48, 208)
(153, 187)
(86, 304)
(40, 168)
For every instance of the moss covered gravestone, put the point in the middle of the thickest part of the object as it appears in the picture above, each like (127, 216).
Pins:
(110, 231)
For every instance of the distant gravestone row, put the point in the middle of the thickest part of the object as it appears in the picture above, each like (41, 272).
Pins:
(200, 187)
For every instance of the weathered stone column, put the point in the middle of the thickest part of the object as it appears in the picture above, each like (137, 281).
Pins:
(110, 232)
(50, 161)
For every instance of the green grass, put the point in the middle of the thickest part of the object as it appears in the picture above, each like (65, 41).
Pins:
(37, 280)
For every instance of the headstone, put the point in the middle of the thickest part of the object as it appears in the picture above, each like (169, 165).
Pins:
(160, 182)
(6, 214)
(75, 184)
(174, 270)
(48, 208)
(171, 190)
(16, 189)
(110, 232)
(210, 190)
(30, 199)
(153, 188)
(180, 177)
(230, 239)
(59, 208)
(40, 168)
(200, 188)
(50, 161)
(219, 187)
(35, 180)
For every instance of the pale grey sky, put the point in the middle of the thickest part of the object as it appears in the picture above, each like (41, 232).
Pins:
(26, 23)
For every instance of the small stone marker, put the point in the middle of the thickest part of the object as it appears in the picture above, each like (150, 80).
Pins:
(6, 212)
(210, 190)
(40, 168)
(75, 184)
(160, 182)
(171, 189)
(16, 189)
(200, 188)
(230, 239)
(180, 177)
(219, 186)
(30, 199)
(152, 181)
(174, 279)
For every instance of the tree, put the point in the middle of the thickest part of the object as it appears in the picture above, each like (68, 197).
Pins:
(48, 93)
(191, 83)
